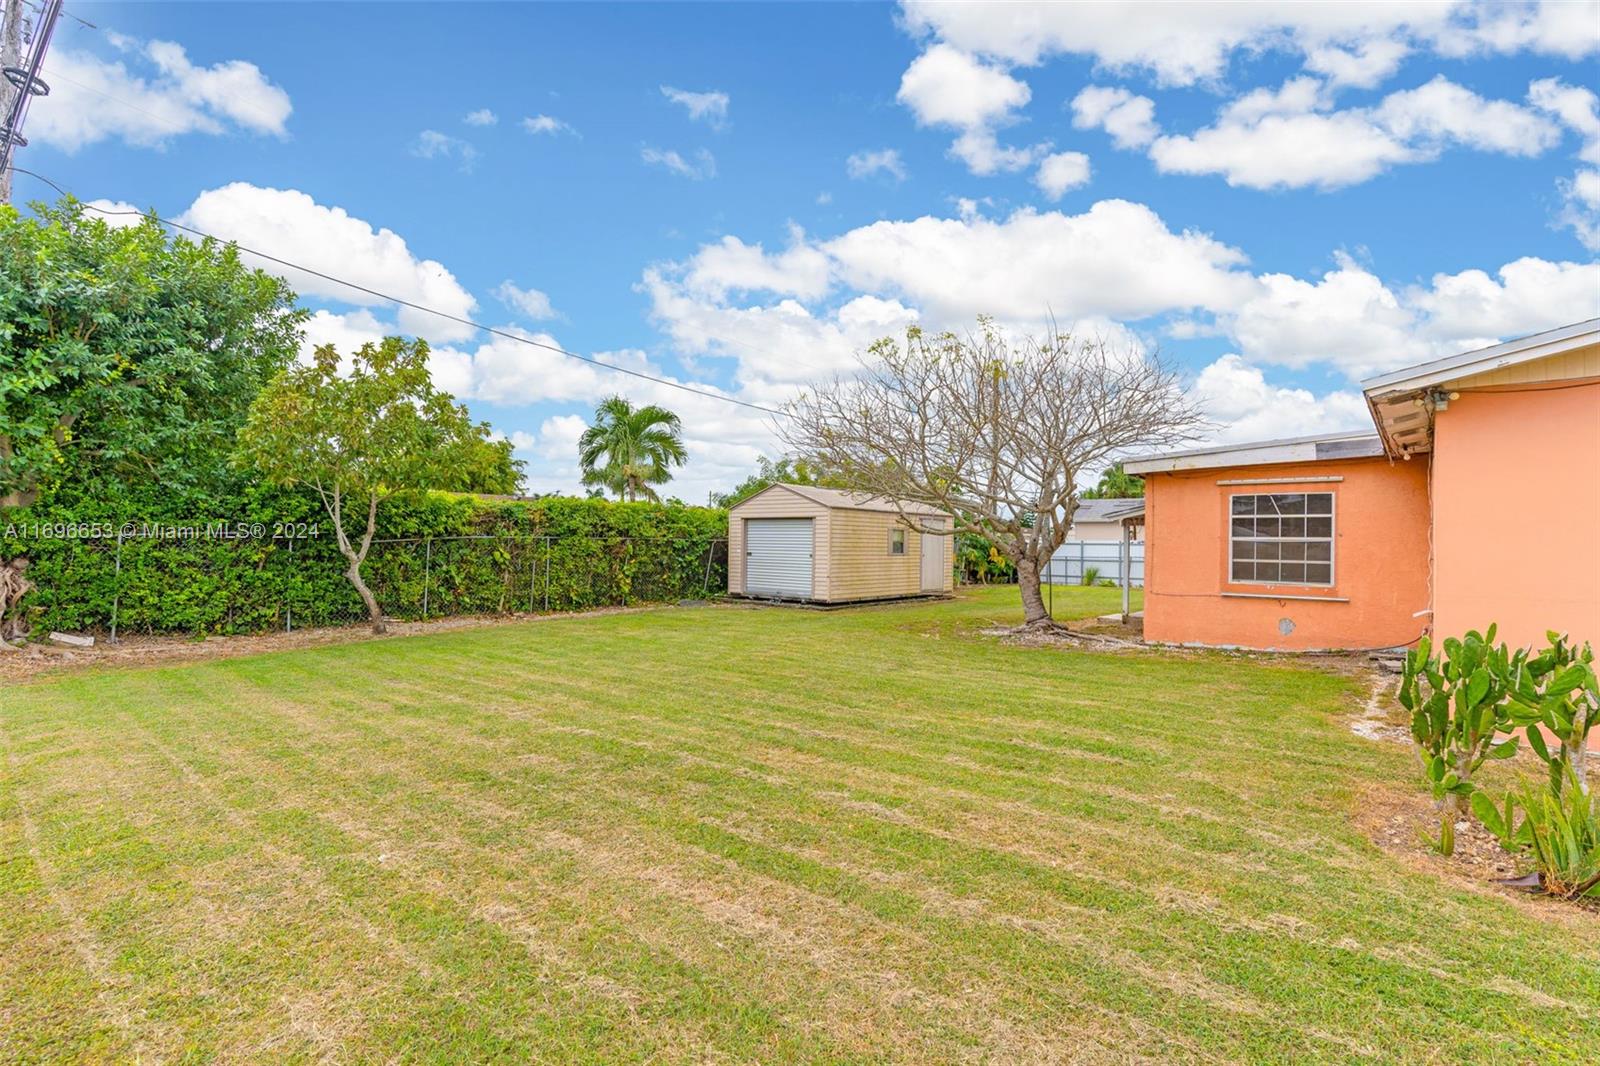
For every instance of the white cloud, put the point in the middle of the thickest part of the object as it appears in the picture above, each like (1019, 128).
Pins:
(1361, 65)
(710, 107)
(730, 265)
(1061, 172)
(1129, 119)
(537, 124)
(1441, 112)
(700, 166)
(481, 117)
(1351, 320)
(503, 370)
(114, 212)
(289, 224)
(530, 302)
(1578, 109)
(1244, 406)
(155, 95)
(1117, 259)
(866, 163)
(1182, 44)
(948, 87)
(1580, 208)
(431, 144)
(1288, 137)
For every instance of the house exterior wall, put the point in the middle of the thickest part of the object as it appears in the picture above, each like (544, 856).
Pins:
(1097, 531)
(862, 568)
(777, 503)
(1516, 511)
(1380, 559)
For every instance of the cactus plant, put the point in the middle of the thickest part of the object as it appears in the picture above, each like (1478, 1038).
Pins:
(1557, 692)
(1457, 704)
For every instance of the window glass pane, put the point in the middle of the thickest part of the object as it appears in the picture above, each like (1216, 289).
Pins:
(1266, 571)
(1320, 551)
(1244, 505)
(1292, 572)
(1244, 527)
(1294, 504)
(1267, 527)
(1244, 549)
(1243, 571)
(1319, 527)
(1319, 503)
(1294, 550)
(1319, 573)
(1294, 527)
(1267, 549)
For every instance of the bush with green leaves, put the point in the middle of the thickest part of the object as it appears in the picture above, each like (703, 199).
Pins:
(1457, 704)
(1091, 576)
(598, 553)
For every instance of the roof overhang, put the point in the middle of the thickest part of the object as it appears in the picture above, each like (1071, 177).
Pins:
(1353, 445)
(1403, 402)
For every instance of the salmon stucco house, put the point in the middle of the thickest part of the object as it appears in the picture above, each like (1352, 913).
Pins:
(1475, 498)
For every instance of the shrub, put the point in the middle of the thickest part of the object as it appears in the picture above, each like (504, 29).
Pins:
(1560, 831)
(1457, 709)
(598, 553)
(1091, 575)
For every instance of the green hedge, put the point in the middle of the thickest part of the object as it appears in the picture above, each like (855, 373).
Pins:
(559, 554)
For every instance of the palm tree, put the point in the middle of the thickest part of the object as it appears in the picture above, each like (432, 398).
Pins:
(628, 450)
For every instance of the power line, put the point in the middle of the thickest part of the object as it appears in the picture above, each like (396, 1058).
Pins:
(705, 393)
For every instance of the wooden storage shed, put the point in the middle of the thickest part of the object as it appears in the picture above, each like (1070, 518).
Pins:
(799, 542)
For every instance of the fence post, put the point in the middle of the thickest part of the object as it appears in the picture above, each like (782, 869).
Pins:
(533, 577)
(116, 587)
(427, 573)
(288, 592)
(547, 575)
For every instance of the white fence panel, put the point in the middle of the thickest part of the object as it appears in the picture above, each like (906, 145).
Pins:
(1072, 559)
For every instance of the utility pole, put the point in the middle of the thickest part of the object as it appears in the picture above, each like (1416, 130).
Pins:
(10, 58)
(21, 82)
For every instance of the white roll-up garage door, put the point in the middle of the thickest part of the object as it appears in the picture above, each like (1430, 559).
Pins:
(778, 557)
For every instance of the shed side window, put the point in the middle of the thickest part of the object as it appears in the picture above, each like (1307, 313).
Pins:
(897, 542)
(1281, 538)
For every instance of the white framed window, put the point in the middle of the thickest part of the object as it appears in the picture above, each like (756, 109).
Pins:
(897, 542)
(1280, 538)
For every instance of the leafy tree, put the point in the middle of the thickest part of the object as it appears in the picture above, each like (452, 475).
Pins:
(788, 470)
(629, 450)
(991, 430)
(358, 436)
(1115, 484)
(128, 357)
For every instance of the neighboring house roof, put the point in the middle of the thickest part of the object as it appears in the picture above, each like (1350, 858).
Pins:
(844, 499)
(1108, 510)
(1348, 445)
(1401, 404)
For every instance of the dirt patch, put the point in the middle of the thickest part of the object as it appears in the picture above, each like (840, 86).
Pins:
(140, 650)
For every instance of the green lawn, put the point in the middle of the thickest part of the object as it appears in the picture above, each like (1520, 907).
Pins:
(728, 834)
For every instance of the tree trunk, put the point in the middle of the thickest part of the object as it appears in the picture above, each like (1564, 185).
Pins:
(374, 612)
(1034, 613)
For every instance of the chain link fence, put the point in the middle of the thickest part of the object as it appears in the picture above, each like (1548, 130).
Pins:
(208, 584)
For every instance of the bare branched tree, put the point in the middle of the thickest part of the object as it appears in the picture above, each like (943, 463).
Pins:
(992, 430)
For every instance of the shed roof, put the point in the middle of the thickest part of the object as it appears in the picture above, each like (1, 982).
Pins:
(846, 500)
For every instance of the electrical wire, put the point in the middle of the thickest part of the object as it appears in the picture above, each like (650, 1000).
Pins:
(704, 393)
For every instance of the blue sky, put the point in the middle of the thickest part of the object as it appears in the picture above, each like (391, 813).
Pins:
(1281, 198)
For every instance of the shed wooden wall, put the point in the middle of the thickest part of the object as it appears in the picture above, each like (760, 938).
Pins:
(778, 503)
(860, 566)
